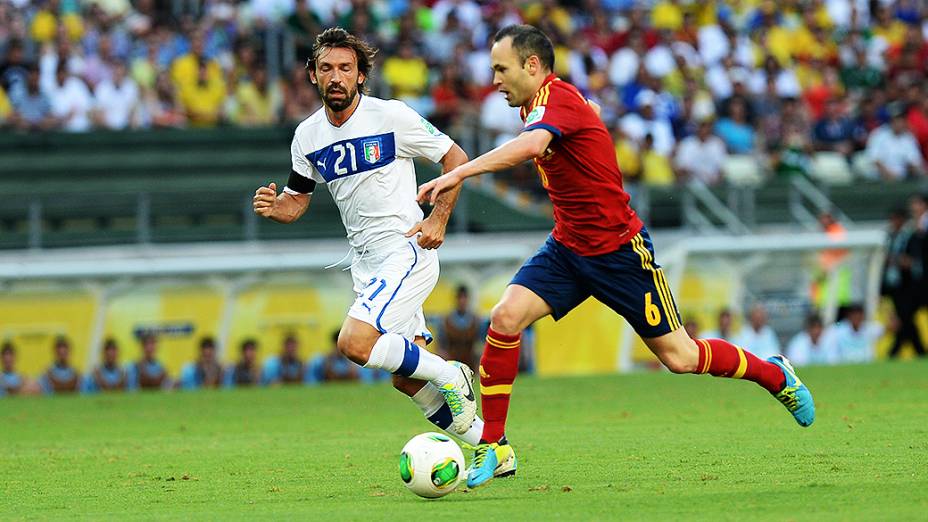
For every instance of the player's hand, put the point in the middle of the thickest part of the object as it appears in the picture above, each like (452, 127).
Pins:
(431, 233)
(265, 200)
(434, 188)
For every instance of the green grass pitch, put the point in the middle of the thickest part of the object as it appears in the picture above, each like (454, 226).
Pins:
(643, 446)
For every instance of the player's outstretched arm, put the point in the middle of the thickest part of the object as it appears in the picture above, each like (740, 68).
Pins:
(515, 151)
(283, 207)
(432, 229)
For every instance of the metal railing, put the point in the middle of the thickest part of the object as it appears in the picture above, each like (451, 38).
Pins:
(705, 212)
(804, 194)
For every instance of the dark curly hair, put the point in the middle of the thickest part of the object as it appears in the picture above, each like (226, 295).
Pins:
(335, 37)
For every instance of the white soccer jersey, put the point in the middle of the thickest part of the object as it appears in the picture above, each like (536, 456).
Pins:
(367, 164)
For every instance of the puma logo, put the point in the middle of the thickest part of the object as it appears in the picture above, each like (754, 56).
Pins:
(320, 164)
(483, 373)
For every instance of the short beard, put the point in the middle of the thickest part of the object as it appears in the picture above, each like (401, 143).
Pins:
(338, 105)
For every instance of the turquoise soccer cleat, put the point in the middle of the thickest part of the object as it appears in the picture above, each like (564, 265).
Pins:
(483, 466)
(795, 396)
(506, 463)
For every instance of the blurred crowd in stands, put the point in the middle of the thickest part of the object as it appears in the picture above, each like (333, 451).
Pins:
(853, 336)
(148, 373)
(852, 339)
(828, 87)
(460, 333)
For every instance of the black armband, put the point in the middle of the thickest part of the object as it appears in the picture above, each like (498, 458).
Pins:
(300, 184)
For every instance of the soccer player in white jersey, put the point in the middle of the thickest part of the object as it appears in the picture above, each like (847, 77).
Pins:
(362, 148)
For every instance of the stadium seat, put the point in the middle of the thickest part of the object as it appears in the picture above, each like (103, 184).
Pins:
(742, 169)
(831, 168)
(863, 166)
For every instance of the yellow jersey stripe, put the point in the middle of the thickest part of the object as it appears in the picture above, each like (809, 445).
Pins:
(667, 298)
(499, 389)
(545, 93)
(742, 364)
(641, 249)
(534, 102)
(634, 242)
(659, 282)
(663, 292)
(672, 313)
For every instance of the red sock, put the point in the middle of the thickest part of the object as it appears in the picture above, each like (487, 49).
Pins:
(720, 358)
(498, 368)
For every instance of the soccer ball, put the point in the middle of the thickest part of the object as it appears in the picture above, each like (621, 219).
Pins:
(431, 465)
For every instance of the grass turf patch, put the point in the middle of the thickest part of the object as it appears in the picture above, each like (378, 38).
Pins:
(640, 446)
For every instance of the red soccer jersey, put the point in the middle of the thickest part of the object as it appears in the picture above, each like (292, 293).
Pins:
(580, 173)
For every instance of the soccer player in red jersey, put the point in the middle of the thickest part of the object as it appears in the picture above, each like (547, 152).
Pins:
(598, 247)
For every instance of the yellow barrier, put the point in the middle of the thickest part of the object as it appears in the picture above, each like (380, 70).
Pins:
(312, 307)
(32, 320)
(180, 315)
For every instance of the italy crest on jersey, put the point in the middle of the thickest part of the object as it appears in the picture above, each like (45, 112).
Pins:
(372, 151)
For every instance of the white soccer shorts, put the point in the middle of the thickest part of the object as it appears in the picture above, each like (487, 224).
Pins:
(392, 288)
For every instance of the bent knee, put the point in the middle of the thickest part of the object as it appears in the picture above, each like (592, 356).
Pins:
(677, 364)
(676, 351)
(680, 360)
(406, 385)
(354, 349)
(505, 319)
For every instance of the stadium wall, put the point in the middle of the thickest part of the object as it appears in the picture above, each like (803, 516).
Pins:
(235, 292)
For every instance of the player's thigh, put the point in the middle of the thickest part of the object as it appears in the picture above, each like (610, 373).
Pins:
(547, 283)
(391, 299)
(517, 309)
(632, 284)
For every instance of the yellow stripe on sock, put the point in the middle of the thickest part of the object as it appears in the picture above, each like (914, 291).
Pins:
(701, 348)
(499, 389)
(494, 340)
(742, 365)
(709, 362)
(708, 355)
(503, 345)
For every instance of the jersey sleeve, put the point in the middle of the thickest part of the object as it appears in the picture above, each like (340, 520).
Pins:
(303, 176)
(557, 109)
(417, 138)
